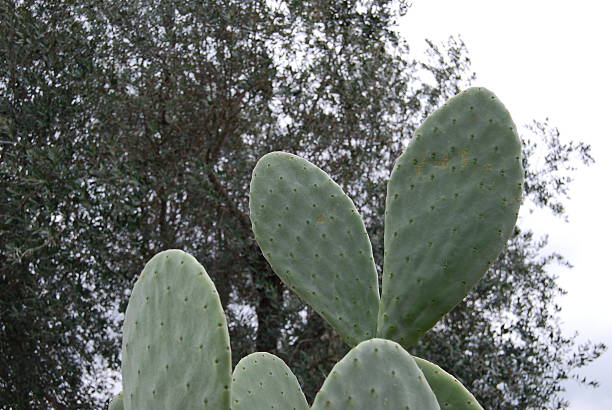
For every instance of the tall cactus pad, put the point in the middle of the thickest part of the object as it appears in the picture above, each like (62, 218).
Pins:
(376, 375)
(452, 202)
(451, 394)
(316, 242)
(176, 351)
(262, 381)
(116, 403)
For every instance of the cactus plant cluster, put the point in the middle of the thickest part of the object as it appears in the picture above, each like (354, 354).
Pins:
(452, 202)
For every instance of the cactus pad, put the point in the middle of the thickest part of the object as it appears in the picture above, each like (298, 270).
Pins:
(449, 391)
(376, 375)
(176, 351)
(316, 242)
(262, 381)
(452, 202)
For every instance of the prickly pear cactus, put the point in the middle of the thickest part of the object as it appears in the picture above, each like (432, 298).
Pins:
(176, 352)
(377, 374)
(176, 356)
(315, 240)
(263, 381)
(452, 202)
(450, 393)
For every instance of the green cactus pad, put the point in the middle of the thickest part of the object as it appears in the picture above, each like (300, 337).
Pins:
(176, 351)
(316, 242)
(451, 394)
(452, 202)
(116, 403)
(263, 381)
(376, 375)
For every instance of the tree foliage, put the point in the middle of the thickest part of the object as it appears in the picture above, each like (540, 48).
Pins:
(130, 127)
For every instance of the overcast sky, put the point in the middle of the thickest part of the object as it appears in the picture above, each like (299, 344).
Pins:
(547, 58)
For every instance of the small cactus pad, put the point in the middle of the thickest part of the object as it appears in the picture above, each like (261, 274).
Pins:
(452, 202)
(116, 403)
(376, 375)
(263, 381)
(316, 242)
(451, 394)
(176, 351)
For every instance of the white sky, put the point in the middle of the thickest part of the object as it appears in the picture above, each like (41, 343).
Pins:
(547, 58)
